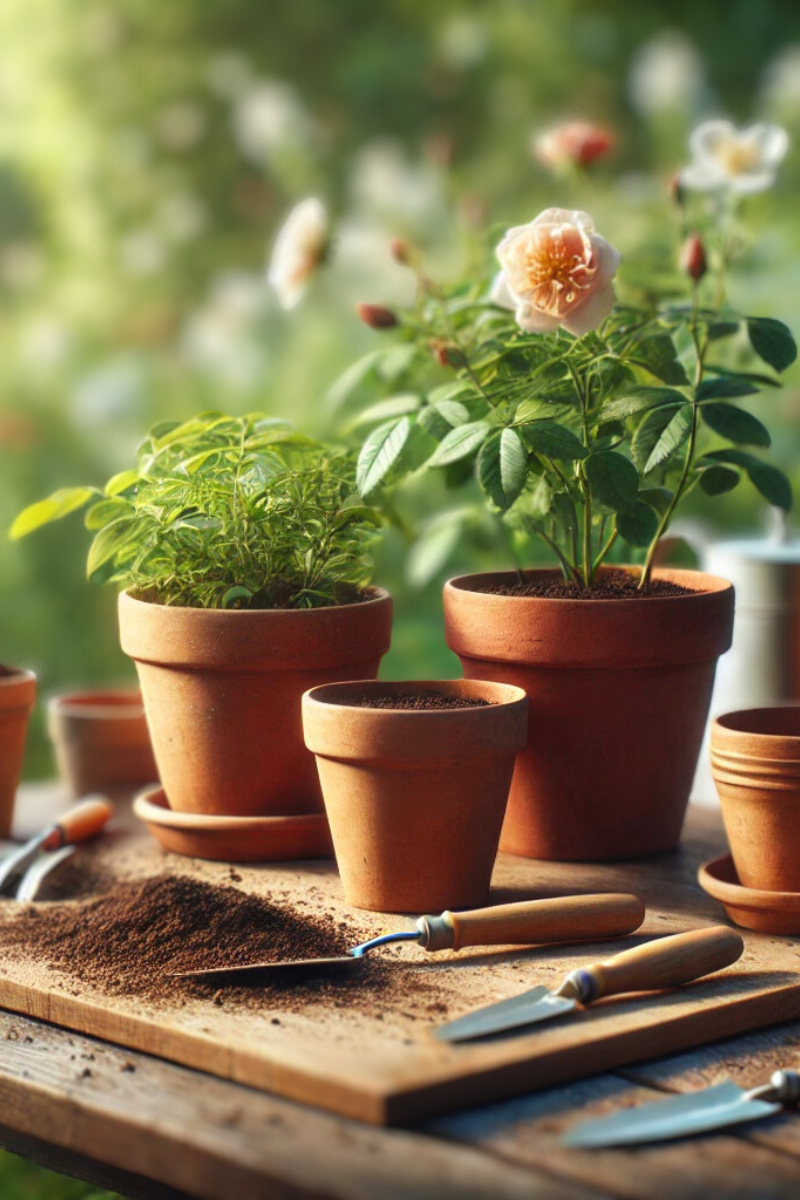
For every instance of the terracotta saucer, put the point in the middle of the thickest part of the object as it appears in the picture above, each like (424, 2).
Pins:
(233, 839)
(768, 912)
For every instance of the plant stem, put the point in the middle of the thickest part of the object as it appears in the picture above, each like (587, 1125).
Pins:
(588, 570)
(612, 537)
(700, 351)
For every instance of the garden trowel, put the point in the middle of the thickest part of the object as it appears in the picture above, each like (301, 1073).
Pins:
(660, 963)
(528, 923)
(683, 1116)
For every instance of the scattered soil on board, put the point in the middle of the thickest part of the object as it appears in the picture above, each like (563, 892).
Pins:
(612, 585)
(128, 940)
(419, 702)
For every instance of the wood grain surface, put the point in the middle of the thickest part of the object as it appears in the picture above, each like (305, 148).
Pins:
(382, 1066)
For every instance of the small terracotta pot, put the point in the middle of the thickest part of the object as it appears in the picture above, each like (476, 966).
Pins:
(415, 799)
(619, 693)
(222, 693)
(17, 694)
(101, 741)
(755, 761)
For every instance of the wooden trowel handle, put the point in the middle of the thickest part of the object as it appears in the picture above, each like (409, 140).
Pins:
(661, 963)
(79, 823)
(534, 922)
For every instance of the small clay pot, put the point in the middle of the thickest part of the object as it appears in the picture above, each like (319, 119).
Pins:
(222, 692)
(101, 741)
(619, 693)
(17, 695)
(415, 799)
(755, 761)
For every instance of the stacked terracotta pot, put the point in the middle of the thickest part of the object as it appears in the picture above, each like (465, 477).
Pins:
(17, 695)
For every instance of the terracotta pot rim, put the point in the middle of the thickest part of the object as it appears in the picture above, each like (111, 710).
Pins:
(396, 739)
(97, 705)
(17, 689)
(729, 728)
(377, 595)
(681, 576)
(503, 695)
(258, 640)
(718, 877)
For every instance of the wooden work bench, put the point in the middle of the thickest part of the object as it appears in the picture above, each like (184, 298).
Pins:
(146, 1127)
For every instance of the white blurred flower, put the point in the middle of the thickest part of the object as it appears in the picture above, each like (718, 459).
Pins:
(666, 75)
(300, 247)
(218, 337)
(385, 184)
(780, 85)
(181, 125)
(142, 252)
(737, 160)
(46, 342)
(556, 271)
(269, 117)
(111, 391)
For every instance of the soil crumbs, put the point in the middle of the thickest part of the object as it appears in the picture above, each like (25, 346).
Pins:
(612, 585)
(128, 941)
(418, 702)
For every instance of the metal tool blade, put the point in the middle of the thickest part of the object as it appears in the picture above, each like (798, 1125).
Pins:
(679, 1116)
(38, 871)
(251, 972)
(530, 1008)
(19, 860)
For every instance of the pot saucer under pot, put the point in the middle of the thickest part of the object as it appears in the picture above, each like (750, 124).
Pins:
(751, 908)
(233, 839)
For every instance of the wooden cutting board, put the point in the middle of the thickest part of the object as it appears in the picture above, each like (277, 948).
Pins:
(377, 1062)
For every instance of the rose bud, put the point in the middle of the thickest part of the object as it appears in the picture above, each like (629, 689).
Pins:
(400, 251)
(575, 142)
(376, 316)
(693, 258)
(676, 191)
(448, 355)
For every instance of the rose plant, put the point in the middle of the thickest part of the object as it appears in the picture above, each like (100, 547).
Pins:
(585, 421)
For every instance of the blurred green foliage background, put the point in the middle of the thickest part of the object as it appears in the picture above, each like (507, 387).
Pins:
(148, 152)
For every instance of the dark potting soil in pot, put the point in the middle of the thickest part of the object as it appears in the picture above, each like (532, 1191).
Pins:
(417, 702)
(126, 942)
(612, 585)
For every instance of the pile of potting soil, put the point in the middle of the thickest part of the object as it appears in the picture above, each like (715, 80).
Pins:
(129, 940)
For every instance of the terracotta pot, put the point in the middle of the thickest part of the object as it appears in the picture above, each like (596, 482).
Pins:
(17, 694)
(755, 761)
(101, 741)
(415, 799)
(619, 693)
(222, 693)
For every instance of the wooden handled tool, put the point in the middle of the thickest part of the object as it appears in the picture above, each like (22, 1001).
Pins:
(529, 923)
(78, 824)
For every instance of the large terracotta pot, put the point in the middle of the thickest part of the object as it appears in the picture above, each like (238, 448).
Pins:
(101, 741)
(619, 693)
(17, 694)
(222, 692)
(755, 761)
(415, 799)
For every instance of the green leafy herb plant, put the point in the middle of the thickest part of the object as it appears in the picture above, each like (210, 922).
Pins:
(580, 440)
(226, 512)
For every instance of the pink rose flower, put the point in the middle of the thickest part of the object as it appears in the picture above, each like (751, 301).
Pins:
(574, 142)
(556, 271)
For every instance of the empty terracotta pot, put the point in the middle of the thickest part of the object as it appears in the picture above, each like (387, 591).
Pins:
(17, 694)
(619, 693)
(415, 799)
(222, 693)
(755, 761)
(101, 741)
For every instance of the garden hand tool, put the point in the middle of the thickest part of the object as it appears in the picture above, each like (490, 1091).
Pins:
(77, 825)
(529, 923)
(683, 1116)
(660, 963)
